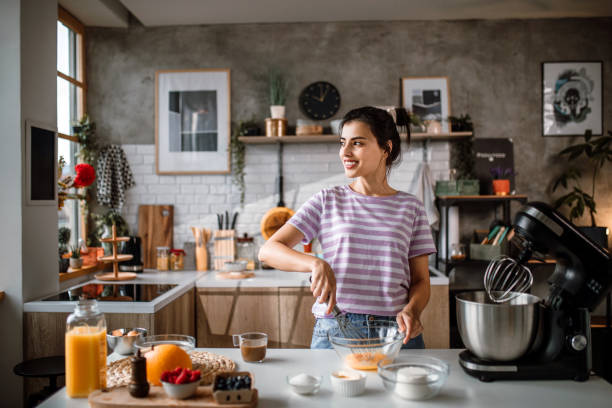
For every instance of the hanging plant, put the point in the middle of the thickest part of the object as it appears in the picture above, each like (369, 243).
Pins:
(85, 131)
(238, 150)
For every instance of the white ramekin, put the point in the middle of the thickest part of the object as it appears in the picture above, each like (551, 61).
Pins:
(348, 387)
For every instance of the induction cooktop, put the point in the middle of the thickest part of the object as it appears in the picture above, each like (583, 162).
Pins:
(113, 292)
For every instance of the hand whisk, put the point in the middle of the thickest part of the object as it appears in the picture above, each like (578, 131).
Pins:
(506, 279)
(346, 328)
(355, 339)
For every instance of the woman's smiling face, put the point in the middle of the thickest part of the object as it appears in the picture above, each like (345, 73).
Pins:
(360, 153)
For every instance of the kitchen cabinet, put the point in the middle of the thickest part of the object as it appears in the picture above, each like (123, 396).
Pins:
(44, 331)
(284, 314)
(222, 312)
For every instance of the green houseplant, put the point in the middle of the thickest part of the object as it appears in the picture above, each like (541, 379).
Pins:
(593, 154)
(238, 150)
(75, 257)
(278, 94)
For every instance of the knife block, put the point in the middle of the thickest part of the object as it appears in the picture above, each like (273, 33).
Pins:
(224, 244)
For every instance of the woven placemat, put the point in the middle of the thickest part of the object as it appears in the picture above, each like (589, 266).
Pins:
(119, 372)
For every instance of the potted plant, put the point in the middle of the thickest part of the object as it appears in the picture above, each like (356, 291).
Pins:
(63, 238)
(278, 94)
(103, 228)
(501, 182)
(75, 257)
(593, 154)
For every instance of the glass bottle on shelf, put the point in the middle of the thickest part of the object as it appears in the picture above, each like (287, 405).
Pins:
(85, 349)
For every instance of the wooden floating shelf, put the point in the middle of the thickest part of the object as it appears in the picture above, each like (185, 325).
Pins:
(117, 258)
(118, 239)
(335, 138)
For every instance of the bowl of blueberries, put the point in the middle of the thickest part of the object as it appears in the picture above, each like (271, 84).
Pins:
(233, 388)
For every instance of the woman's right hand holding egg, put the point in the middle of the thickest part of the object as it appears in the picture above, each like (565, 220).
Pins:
(323, 285)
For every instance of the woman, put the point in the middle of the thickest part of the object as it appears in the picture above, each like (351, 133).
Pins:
(375, 239)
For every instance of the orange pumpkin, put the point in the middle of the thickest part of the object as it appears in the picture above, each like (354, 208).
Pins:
(163, 358)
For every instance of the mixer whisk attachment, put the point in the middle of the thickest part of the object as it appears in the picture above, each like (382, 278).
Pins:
(506, 279)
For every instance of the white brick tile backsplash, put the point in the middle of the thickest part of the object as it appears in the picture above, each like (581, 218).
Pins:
(146, 149)
(151, 179)
(163, 189)
(167, 180)
(165, 199)
(129, 149)
(307, 168)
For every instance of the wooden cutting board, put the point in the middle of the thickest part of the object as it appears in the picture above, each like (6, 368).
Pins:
(155, 228)
(157, 398)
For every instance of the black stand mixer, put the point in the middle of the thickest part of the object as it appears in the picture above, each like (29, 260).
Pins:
(560, 345)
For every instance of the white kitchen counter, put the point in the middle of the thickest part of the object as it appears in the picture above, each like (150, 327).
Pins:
(460, 389)
(183, 279)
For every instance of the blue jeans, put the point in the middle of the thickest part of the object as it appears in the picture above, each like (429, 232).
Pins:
(329, 327)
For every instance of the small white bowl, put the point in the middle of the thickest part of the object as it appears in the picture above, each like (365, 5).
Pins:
(348, 383)
(235, 267)
(180, 391)
(306, 389)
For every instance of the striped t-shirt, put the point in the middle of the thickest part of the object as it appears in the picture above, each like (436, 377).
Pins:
(367, 241)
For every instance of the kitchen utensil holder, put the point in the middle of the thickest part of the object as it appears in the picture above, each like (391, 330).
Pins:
(224, 245)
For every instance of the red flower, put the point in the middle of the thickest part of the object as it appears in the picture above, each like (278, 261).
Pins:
(85, 175)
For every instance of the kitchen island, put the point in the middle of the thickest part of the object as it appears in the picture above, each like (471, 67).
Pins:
(460, 389)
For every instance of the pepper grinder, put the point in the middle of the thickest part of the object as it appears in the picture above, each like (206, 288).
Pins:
(139, 387)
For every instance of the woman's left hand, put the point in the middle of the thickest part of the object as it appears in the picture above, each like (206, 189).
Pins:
(409, 324)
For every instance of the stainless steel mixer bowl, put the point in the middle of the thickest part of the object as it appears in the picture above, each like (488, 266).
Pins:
(497, 331)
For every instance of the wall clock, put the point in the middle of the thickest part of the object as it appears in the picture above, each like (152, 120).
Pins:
(320, 100)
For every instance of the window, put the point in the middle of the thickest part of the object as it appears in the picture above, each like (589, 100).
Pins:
(71, 90)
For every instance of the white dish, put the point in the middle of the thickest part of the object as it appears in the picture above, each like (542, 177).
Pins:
(304, 384)
(235, 267)
(180, 391)
(348, 383)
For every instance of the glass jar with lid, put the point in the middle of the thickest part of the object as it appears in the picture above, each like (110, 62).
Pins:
(246, 250)
(163, 258)
(85, 350)
(177, 259)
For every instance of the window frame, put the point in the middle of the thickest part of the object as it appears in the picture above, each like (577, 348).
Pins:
(64, 17)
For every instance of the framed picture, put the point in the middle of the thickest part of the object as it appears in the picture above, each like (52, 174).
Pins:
(429, 99)
(41, 163)
(572, 99)
(192, 121)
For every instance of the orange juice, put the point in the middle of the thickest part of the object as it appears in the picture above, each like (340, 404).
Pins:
(85, 360)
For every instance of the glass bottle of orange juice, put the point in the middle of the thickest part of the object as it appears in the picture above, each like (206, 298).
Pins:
(85, 350)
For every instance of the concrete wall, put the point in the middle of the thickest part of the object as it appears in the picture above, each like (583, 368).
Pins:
(11, 307)
(494, 69)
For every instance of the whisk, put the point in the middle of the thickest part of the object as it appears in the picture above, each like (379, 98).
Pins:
(506, 279)
(346, 328)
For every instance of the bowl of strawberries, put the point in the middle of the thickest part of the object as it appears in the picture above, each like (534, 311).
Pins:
(180, 383)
